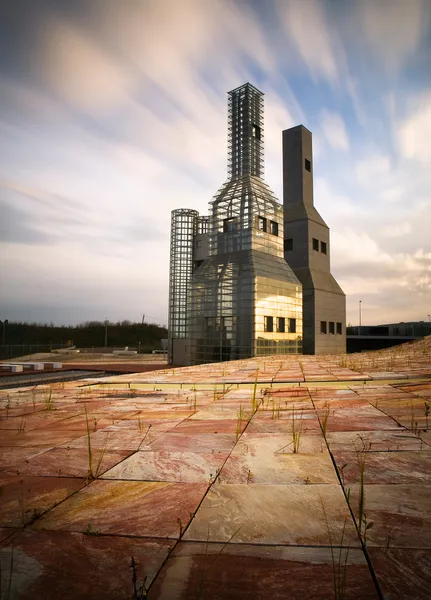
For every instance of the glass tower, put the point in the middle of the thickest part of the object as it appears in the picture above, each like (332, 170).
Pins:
(243, 299)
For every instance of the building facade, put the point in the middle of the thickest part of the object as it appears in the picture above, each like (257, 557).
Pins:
(307, 249)
(237, 276)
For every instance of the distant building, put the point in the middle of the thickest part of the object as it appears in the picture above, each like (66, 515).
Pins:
(232, 293)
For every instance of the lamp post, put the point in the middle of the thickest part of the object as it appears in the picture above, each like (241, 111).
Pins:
(106, 332)
(360, 316)
(429, 323)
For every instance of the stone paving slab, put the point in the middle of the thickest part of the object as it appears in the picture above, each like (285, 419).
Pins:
(393, 441)
(23, 499)
(70, 462)
(185, 467)
(400, 514)
(241, 571)
(72, 566)
(402, 573)
(384, 467)
(203, 442)
(133, 508)
(273, 514)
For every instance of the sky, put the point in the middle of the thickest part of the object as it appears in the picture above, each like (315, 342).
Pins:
(113, 113)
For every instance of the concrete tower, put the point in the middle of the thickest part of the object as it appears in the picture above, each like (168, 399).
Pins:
(244, 298)
(307, 249)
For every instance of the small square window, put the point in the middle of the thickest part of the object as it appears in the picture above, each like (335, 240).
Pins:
(308, 165)
(292, 325)
(274, 228)
(315, 244)
(323, 247)
(340, 328)
(322, 326)
(269, 323)
(229, 225)
(288, 245)
(331, 327)
(261, 223)
(281, 324)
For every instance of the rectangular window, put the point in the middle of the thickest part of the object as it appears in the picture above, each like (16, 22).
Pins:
(323, 247)
(281, 325)
(209, 323)
(308, 165)
(261, 223)
(229, 225)
(274, 228)
(292, 325)
(315, 244)
(269, 323)
(255, 132)
(322, 326)
(331, 327)
(288, 245)
(340, 328)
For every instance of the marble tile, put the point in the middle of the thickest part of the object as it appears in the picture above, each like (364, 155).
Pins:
(393, 441)
(38, 437)
(273, 514)
(402, 573)
(72, 566)
(9, 457)
(203, 442)
(385, 467)
(241, 571)
(70, 462)
(279, 468)
(127, 508)
(400, 514)
(186, 467)
(25, 498)
(258, 444)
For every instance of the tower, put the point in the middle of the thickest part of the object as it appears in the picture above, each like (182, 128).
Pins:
(307, 249)
(244, 299)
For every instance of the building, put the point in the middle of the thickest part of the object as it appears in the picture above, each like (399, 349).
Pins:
(233, 291)
(307, 249)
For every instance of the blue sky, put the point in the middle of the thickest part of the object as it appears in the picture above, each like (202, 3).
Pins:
(114, 113)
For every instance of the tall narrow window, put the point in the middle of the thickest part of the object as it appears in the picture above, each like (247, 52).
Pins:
(229, 225)
(331, 327)
(288, 245)
(340, 328)
(323, 247)
(261, 223)
(292, 325)
(315, 244)
(281, 325)
(307, 165)
(322, 326)
(269, 323)
(255, 131)
(274, 228)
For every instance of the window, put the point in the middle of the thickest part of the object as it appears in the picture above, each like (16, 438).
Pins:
(269, 323)
(229, 225)
(198, 244)
(255, 131)
(331, 327)
(281, 324)
(261, 223)
(315, 244)
(209, 323)
(323, 247)
(322, 326)
(292, 325)
(288, 245)
(339, 328)
(274, 228)
(308, 165)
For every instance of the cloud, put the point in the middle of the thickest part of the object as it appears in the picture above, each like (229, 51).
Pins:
(334, 130)
(414, 132)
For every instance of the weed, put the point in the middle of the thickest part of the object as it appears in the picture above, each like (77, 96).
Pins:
(240, 417)
(49, 404)
(90, 531)
(180, 527)
(93, 473)
(427, 412)
(254, 406)
(139, 591)
(21, 426)
(363, 524)
(339, 563)
(143, 439)
(140, 424)
(296, 431)
(249, 476)
(325, 418)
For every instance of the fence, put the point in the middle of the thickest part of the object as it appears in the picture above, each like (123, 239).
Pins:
(9, 351)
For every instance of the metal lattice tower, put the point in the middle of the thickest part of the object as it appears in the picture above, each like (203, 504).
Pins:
(245, 131)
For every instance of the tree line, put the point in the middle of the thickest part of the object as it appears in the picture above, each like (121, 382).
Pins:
(86, 335)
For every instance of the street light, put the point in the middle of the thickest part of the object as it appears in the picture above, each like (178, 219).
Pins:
(106, 332)
(360, 316)
(429, 322)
